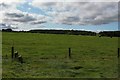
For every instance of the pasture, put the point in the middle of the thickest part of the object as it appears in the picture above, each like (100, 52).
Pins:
(46, 56)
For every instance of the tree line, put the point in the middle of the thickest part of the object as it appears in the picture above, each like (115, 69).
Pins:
(70, 32)
(110, 33)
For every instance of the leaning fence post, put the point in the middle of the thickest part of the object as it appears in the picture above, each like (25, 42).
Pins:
(69, 54)
(118, 52)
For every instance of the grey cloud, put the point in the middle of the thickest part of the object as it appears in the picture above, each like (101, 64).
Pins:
(107, 12)
(13, 15)
(94, 13)
(19, 17)
(72, 19)
(38, 22)
(80, 13)
(6, 26)
(24, 19)
(3, 5)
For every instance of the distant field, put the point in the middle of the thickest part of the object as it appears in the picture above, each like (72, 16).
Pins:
(46, 56)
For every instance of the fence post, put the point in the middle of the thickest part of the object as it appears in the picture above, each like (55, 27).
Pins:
(118, 52)
(69, 55)
(12, 52)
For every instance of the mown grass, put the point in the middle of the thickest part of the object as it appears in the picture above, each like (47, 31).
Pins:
(45, 56)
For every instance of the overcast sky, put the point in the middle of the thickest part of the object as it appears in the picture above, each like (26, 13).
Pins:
(94, 15)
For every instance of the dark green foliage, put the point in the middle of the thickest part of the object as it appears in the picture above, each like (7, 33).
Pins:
(110, 33)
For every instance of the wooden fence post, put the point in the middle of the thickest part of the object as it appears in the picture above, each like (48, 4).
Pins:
(118, 52)
(12, 52)
(69, 55)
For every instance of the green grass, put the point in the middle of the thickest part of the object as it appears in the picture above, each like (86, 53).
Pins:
(45, 56)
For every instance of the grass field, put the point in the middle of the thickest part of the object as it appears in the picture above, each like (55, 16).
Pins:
(46, 56)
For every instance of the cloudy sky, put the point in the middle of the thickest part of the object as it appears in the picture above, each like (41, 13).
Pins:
(93, 15)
